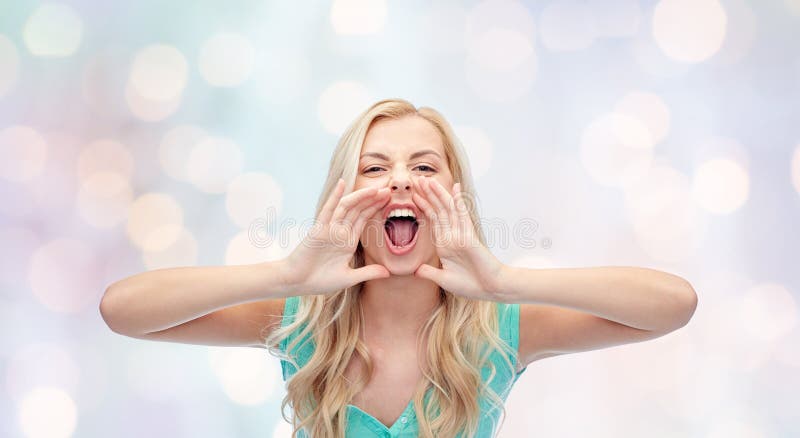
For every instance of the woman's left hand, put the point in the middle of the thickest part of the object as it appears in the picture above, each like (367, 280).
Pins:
(468, 267)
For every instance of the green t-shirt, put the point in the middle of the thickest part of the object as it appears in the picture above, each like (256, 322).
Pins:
(362, 424)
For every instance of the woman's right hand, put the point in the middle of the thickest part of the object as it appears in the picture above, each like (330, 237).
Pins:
(320, 264)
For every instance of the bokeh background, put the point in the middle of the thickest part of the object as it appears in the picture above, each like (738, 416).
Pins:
(142, 135)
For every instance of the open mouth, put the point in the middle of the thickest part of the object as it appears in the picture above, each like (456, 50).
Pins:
(401, 233)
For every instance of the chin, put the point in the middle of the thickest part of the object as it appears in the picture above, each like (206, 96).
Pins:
(406, 265)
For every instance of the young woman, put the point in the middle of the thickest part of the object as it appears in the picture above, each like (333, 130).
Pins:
(392, 317)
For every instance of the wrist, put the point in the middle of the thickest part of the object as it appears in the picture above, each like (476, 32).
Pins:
(499, 285)
(286, 281)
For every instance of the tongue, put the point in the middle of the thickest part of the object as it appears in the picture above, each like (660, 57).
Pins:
(401, 232)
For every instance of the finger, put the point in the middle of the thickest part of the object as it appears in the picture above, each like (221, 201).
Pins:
(442, 200)
(355, 211)
(350, 200)
(441, 230)
(430, 273)
(452, 204)
(367, 213)
(460, 205)
(446, 197)
(430, 196)
(425, 206)
(326, 213)
(370, 272)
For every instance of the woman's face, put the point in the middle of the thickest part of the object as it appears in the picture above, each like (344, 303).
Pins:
(396, 152)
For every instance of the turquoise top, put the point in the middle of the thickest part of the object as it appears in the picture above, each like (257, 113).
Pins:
(362, 424)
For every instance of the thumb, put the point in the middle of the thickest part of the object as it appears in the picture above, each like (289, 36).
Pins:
(371, 272)
(429, 272)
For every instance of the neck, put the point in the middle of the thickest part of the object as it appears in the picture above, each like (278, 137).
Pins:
(396, 307)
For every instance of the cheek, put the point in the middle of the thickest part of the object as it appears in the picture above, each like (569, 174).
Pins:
(372, 235)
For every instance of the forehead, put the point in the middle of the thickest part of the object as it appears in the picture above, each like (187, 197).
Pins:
(404, 136)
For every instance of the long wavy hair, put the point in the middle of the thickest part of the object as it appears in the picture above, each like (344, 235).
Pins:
(461, 332)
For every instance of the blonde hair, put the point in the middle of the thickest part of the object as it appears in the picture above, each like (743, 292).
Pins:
(459, 330)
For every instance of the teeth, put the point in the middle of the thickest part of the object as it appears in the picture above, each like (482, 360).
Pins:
(401, 212)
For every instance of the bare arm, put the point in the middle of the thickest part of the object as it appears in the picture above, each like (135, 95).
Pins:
(156, 300)
(228, 305)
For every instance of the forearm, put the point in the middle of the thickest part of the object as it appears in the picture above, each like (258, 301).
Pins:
(163, 298)
(638, 297)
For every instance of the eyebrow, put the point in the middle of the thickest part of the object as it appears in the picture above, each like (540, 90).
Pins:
(414, 155)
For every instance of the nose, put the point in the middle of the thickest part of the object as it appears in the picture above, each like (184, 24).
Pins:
(401, 186)
(401, 181)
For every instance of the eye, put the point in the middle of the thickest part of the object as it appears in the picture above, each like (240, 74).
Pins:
(372, 169)
(426, 168)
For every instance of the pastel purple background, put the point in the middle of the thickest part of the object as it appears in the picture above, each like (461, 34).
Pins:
(143, 135)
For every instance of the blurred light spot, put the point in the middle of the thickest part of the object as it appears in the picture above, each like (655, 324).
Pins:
(616, 149)
(18, 246)
(176, 147)
(767, 312)
(47, 412)
(9, 65)
(689, 30)
(358, 17)
(40, 364)
(501, 60)
(616, 18)
(23, 152)
(649, 109)
(796, 168)
(257, 246)
(341, 103)
(713, 147)
(159, 72)
(157, 372)
(244, 374)
(149, 110)
(63, 275)
(664, 219)
(284, 75)
(478, 147)
(182, 252)
(567, 25)
(155, 221)
(443, 25)
(742, 26)
(104, 199)
(720, 186)
(213, 163)
(53, 29)
(105, 155)
(251, 196)
(226, 59)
